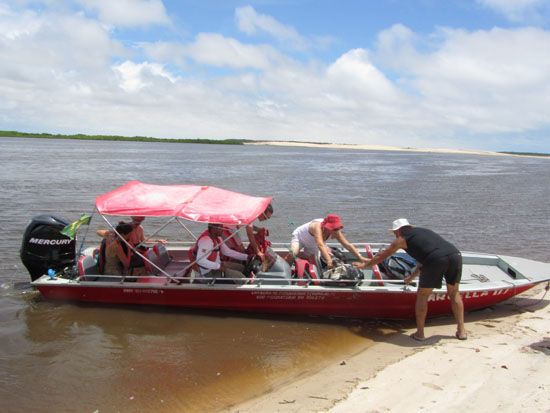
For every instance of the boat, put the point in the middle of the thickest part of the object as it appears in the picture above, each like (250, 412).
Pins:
(60, 272)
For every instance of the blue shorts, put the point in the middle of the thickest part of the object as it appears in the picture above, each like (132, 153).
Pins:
(433, 271)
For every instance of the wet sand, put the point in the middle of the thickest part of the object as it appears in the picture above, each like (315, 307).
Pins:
(503, 366)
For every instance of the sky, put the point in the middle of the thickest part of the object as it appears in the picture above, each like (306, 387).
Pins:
(460, 74)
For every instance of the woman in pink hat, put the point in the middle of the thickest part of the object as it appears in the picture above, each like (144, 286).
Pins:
(310, 238)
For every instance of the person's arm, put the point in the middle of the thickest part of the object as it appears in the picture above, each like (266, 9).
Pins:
(122, 256)
(103, 233)
(317, 231)
(252, 241)
(204, 248)
(140, 237)
(397, 244)
(348, 245)
(414, 274)
(153, 240)
(228, 252)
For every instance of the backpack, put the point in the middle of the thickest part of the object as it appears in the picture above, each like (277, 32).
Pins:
(398, 267)
(341, 270)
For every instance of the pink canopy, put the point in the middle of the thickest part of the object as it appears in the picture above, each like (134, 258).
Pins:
(192, 202)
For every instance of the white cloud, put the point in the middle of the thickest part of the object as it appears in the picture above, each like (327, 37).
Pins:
(58, 74)
(516, 10)
(354, 72)
(215, 49)
(128, 13)
(31, 44)
(485, 81)
(250, 22)
(134, 77)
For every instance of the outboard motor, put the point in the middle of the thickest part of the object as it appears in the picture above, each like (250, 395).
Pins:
(44, 247)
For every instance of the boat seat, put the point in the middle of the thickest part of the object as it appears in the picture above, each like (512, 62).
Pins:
(162, 254)
(87, 265)
(151, 256)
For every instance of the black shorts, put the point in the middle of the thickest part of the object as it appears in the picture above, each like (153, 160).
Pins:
(433, 271)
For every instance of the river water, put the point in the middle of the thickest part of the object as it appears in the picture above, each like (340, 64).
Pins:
(86, 358)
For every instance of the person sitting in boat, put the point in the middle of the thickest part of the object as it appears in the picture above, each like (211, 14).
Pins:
(207, 251)
(232, 238)
(138, 235)
(138, 240)
(310, 238)
(118, 255)
(256, 235)
(437, 258)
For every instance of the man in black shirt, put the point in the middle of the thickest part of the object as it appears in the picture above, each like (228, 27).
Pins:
(437, 258)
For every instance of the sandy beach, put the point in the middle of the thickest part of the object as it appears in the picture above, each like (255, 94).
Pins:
(504, 366)
(380, 148)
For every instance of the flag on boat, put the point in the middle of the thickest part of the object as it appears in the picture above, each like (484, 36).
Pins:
(70, 230)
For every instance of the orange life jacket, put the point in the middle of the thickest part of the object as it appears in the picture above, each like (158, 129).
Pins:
(261, 240)
(192, 254)
(232, 242)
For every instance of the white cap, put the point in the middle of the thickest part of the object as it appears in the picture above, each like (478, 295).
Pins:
(399, 223)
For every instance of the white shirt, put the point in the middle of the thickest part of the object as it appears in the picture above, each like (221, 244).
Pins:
(303, 237)
(204, 249)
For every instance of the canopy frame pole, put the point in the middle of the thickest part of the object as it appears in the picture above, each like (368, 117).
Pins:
(224, 240)
(157, 231)
(187, 229)
(133, 249)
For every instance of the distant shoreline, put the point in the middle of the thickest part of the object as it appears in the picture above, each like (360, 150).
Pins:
(375, 148)
(16, 134)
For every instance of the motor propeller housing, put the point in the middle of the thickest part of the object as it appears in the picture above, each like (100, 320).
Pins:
(44, 247)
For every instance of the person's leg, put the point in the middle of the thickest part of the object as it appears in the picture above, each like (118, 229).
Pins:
(431, 276)
(453, 277)
(202, 278)
(458, 310)
(234, 267)
(421, 311)
(234, 271)
(294, 250)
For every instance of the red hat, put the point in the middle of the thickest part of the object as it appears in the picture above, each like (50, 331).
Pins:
(332, 222)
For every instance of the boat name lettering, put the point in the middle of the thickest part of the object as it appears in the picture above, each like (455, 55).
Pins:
(42, 241)
(467, 294)
(291, 296)
(142, 291)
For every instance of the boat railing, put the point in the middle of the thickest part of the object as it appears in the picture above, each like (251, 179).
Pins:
(255, 281)
(279, 246)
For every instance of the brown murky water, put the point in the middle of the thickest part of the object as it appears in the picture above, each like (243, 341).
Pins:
(72, 357)
(85, 358)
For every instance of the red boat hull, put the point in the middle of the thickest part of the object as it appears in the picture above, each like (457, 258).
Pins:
(306, 301)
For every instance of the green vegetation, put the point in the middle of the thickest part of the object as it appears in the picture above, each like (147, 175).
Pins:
(15, 134)
(526, 153)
